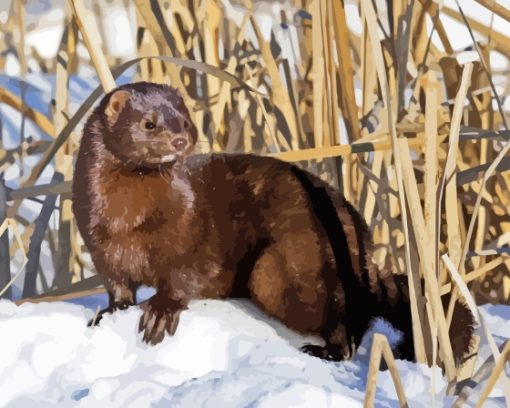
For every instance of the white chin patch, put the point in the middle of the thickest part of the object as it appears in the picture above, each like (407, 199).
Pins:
(167, 158)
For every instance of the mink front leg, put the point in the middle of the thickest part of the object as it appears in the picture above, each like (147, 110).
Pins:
(121, 295)
(182, 284)
(160, 314)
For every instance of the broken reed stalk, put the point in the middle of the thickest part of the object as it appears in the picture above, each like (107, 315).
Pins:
(92, 41)
(424, 249)
(349, 108)
(34, 249)
(496, 373)
(496, 8)
(456, 277)
(70, 295)
(448, 183)
(9, 222)
(5, 259)
(429, 208)
(476, 274)
(63, 158)
(503, 152)
(37, 117)
(381, 349)
(96, 315)
(414, 290)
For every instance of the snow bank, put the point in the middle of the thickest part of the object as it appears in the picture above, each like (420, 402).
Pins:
(224, 354)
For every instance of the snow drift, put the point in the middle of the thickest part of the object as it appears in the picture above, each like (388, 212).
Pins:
(224, 354)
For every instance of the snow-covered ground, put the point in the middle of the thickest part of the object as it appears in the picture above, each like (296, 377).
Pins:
(224, 354)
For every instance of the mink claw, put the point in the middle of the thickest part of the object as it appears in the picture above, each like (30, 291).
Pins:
(110, 309)
(158, 332)
(150, 322)
(153, 327)
(155, 323)
(98, 317)
(318, 351)
(149, 327)
(94, 321)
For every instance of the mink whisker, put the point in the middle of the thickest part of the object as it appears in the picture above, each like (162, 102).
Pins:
(164, 172)
(161, 171)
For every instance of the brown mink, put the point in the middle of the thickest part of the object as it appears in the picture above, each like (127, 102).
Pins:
(226, 225)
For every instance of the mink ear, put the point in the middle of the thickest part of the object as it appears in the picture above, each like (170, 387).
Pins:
(116, 103)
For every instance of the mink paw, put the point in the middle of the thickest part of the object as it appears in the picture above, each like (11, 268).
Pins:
(321, 352)
(156, 320)
(110, 309)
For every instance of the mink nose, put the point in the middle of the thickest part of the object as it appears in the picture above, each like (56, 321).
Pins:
(179, 143)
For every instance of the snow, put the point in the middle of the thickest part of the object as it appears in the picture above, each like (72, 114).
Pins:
(498, 319)
(224, 353)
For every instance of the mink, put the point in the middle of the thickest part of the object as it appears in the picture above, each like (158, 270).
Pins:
(152, 211)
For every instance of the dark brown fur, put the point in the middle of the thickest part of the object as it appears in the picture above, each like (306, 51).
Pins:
(218, 226)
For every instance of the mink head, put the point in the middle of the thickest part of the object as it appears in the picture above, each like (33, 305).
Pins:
(147, 124)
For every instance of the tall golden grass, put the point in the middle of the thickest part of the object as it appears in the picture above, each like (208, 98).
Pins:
(428, 172)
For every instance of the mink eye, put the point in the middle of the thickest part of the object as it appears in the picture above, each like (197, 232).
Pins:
(186, 124)
(149, 125)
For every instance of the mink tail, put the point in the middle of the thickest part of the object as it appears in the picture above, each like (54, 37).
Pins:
(373, 292)
(368, 292)
(461, 328)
